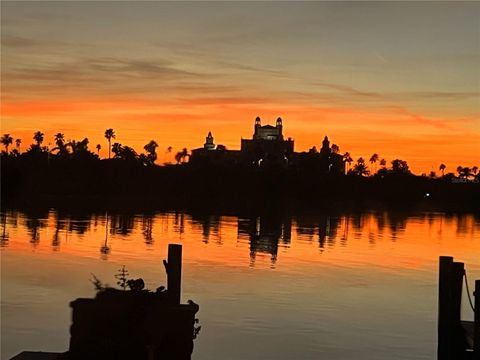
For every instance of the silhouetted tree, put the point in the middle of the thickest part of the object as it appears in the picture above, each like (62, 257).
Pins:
(98, 147)
(360, 168)
(475, 170)
(38, 136)
(6, 141)
(60, 142)
(59, 139)
(442, 168)
(109, 135)
(151, 148)
(124, 152)
(128, 154)
(464, 172)
(169, 149)
(335, 148)
(313, 150)
(400, 167)
(383, 163)
(348, 159)
(373, 161)
(78, 146)
(181, 155)
(18, 142)
(116, 149)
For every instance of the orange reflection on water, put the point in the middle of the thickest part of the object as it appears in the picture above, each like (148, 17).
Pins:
(388, 240)
(357, 279)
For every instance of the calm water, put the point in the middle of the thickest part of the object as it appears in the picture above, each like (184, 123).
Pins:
(360, 286)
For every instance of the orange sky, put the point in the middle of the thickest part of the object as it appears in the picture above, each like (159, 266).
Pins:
(375, 79)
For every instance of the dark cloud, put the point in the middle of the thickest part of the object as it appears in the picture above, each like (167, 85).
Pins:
(11, 40)
(98, 70)
(410, 95)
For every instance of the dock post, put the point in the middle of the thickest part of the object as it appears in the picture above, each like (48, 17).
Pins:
(450, 333)
(444, 304)
(476, 331)
(458, 339)
(174, 272)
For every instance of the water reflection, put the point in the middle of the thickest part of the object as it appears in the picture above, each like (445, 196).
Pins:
(354, 278)
(265, 235)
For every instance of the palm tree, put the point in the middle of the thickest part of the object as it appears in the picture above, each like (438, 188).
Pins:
(116, 149)
(467, 172)
(442, 168)
(400, 167)
(60, 142)
(98, 149)
(360, 168)
(6, 140)
(348, 159)
(38, 136)
(59, 139)
(181, 155)
(460, 170)
(109, 134)
(185, 154)
(150, 148)
(383, 163)
(464, 172)
(373, 161)
(18, 142)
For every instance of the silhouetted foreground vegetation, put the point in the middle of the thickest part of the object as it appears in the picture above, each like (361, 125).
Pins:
(133, 323)
(36, 178)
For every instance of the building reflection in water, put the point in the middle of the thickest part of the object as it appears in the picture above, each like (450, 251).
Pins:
(264, 234)
(209, 225)
(323, 226)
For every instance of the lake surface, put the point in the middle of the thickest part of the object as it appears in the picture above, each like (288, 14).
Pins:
(325, 286)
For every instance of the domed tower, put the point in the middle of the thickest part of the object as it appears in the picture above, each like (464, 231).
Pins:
(279, 127)
(325, 145)
(258, 125)
(209, 145)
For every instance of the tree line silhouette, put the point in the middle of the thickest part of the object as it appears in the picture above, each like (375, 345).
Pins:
(72, 175)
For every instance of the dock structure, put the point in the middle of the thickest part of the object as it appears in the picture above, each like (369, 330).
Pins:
(457, 339)
(136, 324)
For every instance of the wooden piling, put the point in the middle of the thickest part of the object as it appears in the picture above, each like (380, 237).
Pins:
(476, 341)
(174, 272)
(444, 304)
(451, 339)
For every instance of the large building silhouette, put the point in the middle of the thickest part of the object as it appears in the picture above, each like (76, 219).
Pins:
(269, 147)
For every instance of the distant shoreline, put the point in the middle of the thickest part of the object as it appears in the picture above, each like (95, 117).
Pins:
(109, 185)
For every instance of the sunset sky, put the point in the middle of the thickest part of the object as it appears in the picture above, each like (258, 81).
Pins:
(401, 79)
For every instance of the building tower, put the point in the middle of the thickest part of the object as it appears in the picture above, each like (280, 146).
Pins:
(279, 128)
(325, 146)
(257, 127)
(209, 145)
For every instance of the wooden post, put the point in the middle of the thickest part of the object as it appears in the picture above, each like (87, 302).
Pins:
(174, 272)
(444, 304)
(476, 343)
(451, 340)
(457, 332)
